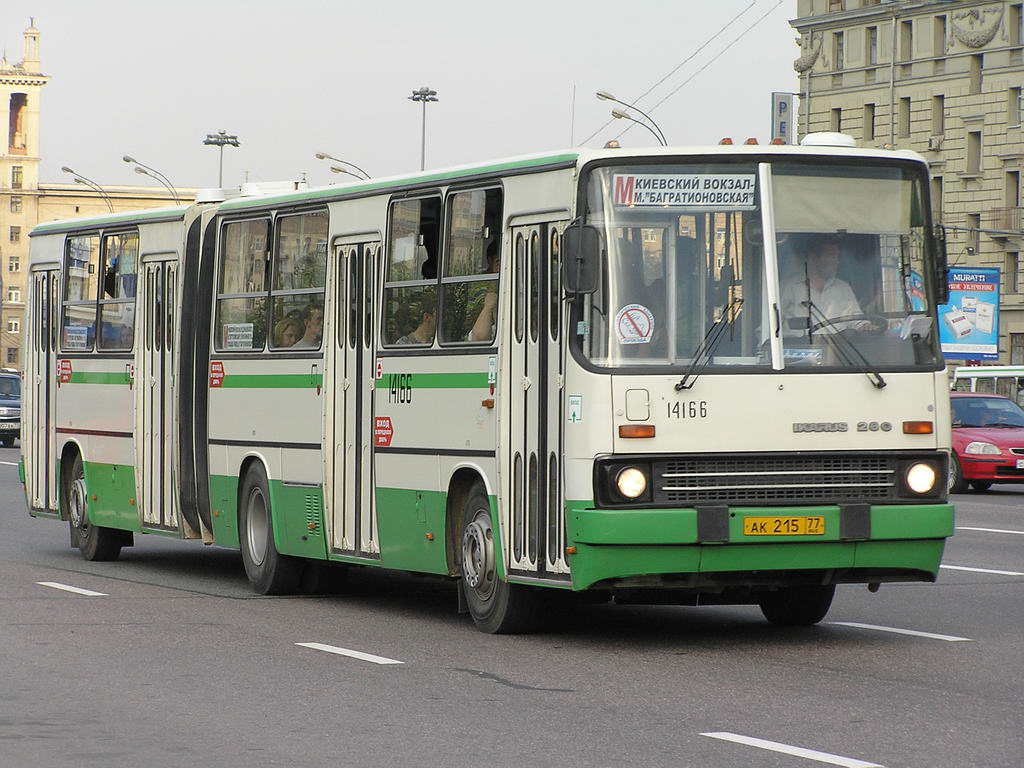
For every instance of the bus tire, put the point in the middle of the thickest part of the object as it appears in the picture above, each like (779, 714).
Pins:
(797, 606)
(93, 541)
(269, 572)
(7, 441)
(496, 606)
(957, 483)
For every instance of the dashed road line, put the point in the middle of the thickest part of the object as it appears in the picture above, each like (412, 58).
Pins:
(988, 530)
(775, 746)
(352, 654)
(981, 570)
(9, 463)
(896, 630)
(69, 588)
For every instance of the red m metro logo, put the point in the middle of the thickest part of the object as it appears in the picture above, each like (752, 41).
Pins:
(624, 189)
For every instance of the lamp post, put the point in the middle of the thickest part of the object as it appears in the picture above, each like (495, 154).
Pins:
(325, 156)
(618, 114)
(149, 171)
(659, 135)
(423, 95)
(80, 179)
(339, 169)
(221, 139)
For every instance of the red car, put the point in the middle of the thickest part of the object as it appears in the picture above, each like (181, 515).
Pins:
(988, 442)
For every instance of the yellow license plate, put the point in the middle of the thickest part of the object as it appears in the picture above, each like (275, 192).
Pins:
(783, 526)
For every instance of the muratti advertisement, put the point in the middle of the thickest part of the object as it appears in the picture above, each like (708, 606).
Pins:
(722, 191)
(969, 323)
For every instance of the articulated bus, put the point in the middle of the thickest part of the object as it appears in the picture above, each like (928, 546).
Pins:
(677, 375)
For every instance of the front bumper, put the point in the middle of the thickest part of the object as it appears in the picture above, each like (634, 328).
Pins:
(997, 469)
(707, 548)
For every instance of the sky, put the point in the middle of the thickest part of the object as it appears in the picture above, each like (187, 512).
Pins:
(151, 80)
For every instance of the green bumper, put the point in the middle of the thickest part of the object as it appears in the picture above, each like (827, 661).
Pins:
(632, 544)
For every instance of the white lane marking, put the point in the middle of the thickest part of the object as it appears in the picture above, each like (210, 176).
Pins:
(988, 530)
(981, 570)
(914, 632)
(775, 746)
(9, 463)
(69, 588)
(346, 652)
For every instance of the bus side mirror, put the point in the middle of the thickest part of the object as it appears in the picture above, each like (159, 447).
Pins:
(581, 249)
(941, 266)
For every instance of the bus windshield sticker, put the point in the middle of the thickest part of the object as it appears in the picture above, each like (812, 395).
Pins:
(238, 335)
(634, 324)
(720, 191)
(575, 415)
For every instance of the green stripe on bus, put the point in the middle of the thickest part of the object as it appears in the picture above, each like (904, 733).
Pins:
(177, 212)
(272, 381)
(91, 377)
(321, 194)
(437, 381)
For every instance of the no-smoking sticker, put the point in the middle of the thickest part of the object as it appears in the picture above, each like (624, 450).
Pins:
(634, 324)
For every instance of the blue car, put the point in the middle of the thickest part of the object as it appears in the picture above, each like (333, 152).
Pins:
(10, 407)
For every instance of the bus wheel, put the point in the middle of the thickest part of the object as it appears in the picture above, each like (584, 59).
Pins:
(93, 541)
(496, 606)
(269, 572)
(957, 483)
(797, 606)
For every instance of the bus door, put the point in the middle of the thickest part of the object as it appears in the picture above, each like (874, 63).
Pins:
(350, 466)
(40, 379)
(536, 509)
(155, 417)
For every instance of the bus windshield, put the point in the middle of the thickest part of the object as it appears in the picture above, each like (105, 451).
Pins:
(684, 276)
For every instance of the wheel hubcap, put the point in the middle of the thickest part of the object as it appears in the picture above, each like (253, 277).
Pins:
(77, 504)
(256, 526)
(478, 555)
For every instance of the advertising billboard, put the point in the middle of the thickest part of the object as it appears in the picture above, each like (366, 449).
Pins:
(969, 323)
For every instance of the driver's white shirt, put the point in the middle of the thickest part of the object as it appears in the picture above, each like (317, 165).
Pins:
(835, 299)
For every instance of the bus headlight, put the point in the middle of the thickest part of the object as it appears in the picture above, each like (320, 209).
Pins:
(982, 448)
(631, 483)
(921, 477)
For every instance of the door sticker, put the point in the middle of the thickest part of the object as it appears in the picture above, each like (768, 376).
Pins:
(575, 415)
(634, 324)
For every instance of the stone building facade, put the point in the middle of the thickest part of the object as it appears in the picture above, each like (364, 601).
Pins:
(25, 201)
(943, 78)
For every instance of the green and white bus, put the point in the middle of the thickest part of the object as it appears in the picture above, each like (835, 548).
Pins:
(609, 372)
(1005, 380)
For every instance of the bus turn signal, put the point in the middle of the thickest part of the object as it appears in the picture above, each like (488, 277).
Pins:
(917, 428)
(636, 430)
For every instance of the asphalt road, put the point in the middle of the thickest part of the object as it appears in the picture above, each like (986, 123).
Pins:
(176, 663)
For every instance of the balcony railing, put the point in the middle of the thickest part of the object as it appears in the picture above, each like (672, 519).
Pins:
(1007, 219)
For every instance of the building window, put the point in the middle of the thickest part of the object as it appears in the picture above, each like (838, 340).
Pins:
(939, 41)
(837, 49)
(836, 5)
(16, 201)
(1011, 273)
(17, 176)
(938, 115)
(937, 199)
(13, 325)
(871, 45)
(903, 126)
(1016, 25)
(835, 122)
(973, 152)
(15, 234)
(906, 40)
(12, 356)
(1017, 349)
(14, 264)
(973, 225)
(1014, 98)
(1011, 189)
(14, 295)
(974, 67)
(869, 122)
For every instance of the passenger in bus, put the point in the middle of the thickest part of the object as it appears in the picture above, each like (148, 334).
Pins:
(483, 327)
(422, 333)
(313, 321)
(287, 332)
(817, 282)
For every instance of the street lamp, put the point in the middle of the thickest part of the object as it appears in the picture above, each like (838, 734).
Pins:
(660, 135)
(423, 95)
(339, 169)
(148, 171)
(325, 156)
(80, 179)
(618, 114)
(221, 139)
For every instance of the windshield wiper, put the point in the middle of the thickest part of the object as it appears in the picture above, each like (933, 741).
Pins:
(846, 347)
(702, 355)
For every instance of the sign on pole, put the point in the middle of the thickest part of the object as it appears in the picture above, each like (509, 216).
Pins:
(969, 322)
(783, 117)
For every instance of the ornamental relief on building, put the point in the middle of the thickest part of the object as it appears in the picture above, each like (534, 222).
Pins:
(810, 50)
(976, 27)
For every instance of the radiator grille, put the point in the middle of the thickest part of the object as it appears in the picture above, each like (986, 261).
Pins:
(740, 480)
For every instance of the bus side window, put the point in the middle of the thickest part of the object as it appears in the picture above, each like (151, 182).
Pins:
(241, 323)
(469, 284)
(117, 297)
(300, 274)
(81, 267)
(410, 288)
